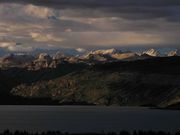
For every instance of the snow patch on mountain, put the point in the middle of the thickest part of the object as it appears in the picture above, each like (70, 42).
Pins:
(174, 53)
(152, 52)
(81, 50)
(105, 52)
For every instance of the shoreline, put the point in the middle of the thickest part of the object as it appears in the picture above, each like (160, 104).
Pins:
(92, 105)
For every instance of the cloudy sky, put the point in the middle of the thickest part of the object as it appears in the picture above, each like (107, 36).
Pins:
(29, 24)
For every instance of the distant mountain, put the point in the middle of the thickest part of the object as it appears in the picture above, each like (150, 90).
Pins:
(113, 55)
(58, 55)
(174, 53)
(152, 52)
(126, 56)
(53, 58)
(78, 52)
(145, 56)
(65, 51)
(105, 52)
(101, 55)
(81, 50)
(15, 60)
(94, 58)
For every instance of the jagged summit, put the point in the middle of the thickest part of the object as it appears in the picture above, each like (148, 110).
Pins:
(43, 56)
(46, 60)
(152, 52)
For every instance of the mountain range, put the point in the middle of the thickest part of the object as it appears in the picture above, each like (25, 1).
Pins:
(53, 58)
(100, 77)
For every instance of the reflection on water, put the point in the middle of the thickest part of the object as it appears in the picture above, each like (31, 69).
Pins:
(87, 119)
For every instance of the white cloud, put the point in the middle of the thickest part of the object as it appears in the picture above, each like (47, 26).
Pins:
(37, 11)
(81, 50)
(20, 48)
(14, 47)
(7, 44)
(39, 37)
(68, 30)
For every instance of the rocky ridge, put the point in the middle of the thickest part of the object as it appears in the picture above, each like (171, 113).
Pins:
(45, 60)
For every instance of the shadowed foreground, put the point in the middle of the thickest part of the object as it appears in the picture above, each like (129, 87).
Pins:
(140, 132)
(149, 82)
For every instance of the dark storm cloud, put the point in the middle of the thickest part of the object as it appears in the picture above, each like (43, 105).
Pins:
(98, 3)
(129, 9)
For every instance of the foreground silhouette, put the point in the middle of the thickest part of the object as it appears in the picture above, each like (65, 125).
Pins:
(139, 132)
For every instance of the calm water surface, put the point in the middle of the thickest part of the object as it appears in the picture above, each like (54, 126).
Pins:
(87, 119)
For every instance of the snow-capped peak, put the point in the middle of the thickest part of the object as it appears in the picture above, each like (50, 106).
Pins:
(81, 50)
(105, 52)
(43, 56)
(152, 52)
(174, 53)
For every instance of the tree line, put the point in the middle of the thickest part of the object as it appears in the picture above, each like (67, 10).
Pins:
(123, 132)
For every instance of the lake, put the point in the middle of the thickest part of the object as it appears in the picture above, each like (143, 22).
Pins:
(87, 118)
